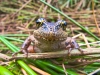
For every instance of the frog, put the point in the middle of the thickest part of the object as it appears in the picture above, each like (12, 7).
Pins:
(50, 37)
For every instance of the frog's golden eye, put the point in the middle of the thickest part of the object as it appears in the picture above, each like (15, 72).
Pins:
(62, 23)
(40, 22)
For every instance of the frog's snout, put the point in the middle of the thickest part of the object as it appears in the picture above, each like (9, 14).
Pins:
(52, 33)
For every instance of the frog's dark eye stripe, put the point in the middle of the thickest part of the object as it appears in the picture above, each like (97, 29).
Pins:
(40, 22)
(62, 23)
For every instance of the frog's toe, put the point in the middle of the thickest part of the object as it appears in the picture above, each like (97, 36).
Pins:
(69, 54)
(26, 55)
(14, 54)
(82, 52)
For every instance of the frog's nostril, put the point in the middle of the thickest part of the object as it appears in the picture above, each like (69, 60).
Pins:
(50, 29)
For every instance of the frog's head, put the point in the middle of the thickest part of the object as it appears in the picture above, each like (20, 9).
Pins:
(50, 30)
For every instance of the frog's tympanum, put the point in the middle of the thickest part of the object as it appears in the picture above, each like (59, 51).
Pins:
(50, 37)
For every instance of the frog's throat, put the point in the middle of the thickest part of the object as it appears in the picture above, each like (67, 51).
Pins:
(49, 36)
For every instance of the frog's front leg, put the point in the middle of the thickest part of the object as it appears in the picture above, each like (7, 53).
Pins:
(76, 45)
(69, 50)
(72, 44)
(26, 44)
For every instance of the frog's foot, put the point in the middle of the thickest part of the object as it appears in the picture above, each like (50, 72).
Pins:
(21, 51)
(26, 55)
(25, 52)
(82, 52)
(69, 52)
(15, 54)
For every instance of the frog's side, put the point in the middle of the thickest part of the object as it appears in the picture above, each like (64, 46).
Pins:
(50, 37)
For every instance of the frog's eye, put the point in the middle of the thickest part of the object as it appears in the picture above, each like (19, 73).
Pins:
(40, 22)
(62, 23)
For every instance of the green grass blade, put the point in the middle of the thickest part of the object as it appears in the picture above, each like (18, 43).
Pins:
(8, 44)
(23, 65)
(15, 49)
(56, 67)
(4, 71)
(45, 68)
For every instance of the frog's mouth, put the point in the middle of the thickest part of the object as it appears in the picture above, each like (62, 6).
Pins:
(49, 36)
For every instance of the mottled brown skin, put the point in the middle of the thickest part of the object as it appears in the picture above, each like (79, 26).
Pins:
(50, 37)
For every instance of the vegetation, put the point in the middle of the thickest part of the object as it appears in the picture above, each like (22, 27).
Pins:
(17, 21)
